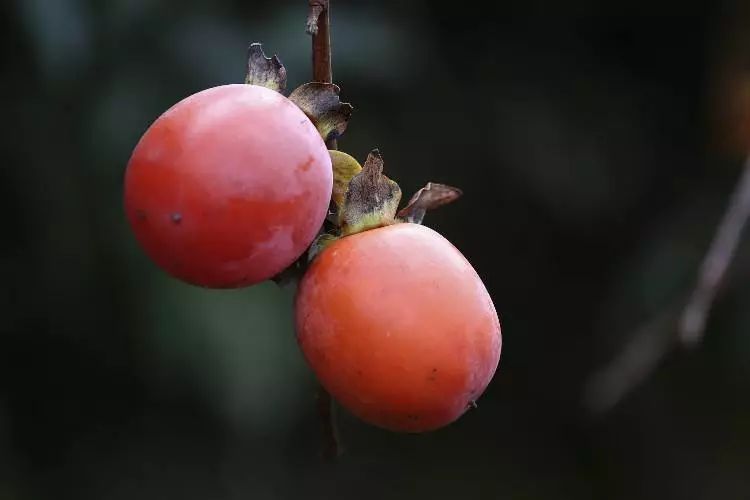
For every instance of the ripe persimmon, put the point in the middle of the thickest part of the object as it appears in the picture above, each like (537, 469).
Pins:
(398, 327)
(229, 186)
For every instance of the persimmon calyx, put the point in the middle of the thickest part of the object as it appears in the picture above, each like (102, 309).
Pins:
(365, 198)
(345, 167)
(371, 199)
(320, 244)
(264, 71)
(430, 197)
(321, 103)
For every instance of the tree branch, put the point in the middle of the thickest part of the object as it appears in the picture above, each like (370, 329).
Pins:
(684, 322)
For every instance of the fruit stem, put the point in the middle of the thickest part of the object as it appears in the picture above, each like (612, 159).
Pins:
(326, 410)
(318, 25)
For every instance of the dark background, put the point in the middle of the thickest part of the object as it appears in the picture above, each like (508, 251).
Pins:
(596, 142)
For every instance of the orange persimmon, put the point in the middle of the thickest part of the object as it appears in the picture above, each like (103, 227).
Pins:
(228, 187)
(398, 327)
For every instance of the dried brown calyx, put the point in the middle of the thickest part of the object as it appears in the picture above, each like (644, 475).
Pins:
(264, 71)
(430, 197)
(319, 101)
(371, 199)
(364, 198)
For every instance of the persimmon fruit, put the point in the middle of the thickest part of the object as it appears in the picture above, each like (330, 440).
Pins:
(398, 327)
(228, 187)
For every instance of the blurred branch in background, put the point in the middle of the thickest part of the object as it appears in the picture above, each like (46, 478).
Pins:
(684, 322)
(716, 263)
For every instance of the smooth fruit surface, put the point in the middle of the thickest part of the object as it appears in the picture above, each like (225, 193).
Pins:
(398, 327)
(228, 187)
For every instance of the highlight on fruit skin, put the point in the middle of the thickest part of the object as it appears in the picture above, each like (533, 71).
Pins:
(228, 187)
(398, 327)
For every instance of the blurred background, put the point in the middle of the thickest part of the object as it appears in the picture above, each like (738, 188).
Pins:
(597, 144)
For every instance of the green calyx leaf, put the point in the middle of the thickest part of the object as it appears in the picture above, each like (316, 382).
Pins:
(345, 167)
(371, 199)
(430, 197)
(264, 71)
(321, 103)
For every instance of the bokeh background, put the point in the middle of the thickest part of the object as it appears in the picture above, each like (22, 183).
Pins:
(597, 144)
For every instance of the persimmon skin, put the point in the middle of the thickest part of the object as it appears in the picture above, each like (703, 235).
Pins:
(398, 327)
(228, 187)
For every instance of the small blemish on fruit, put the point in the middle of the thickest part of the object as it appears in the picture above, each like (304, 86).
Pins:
(412, 417)
(306, 165)
(472, 404)
(140, 214)
(176, 217)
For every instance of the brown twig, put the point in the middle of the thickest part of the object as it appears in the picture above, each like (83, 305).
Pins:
(684, 322)
(318, 25)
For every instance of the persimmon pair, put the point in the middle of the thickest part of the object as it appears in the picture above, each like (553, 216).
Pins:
(231, 186)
